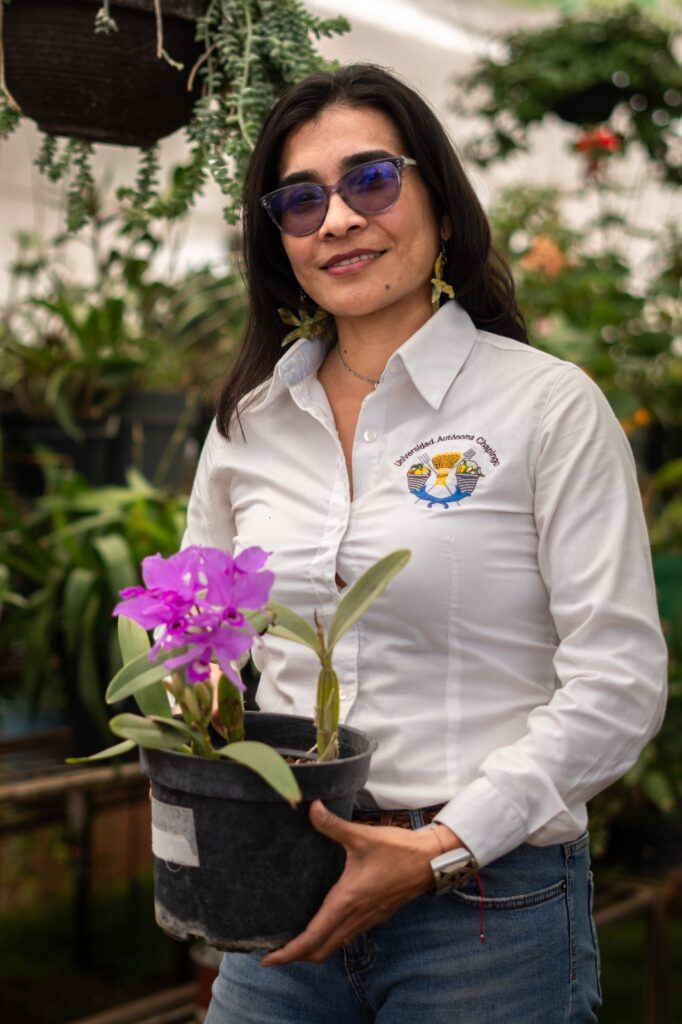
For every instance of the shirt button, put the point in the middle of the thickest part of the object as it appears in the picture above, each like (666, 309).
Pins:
(369, 435)
(344, 694)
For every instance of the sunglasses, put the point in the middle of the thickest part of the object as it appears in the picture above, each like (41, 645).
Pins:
(369, 188)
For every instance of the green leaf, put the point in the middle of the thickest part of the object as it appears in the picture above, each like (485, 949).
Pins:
(258, 621)
(290, 626)
(115, 555)
(101, 755)
(364, 592)
(79, 586)
(137, 674)
(134, 641)
(267, 763)
(154, 733)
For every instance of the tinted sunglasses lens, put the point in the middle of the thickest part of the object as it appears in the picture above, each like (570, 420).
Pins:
(373, 187)
(299, 209)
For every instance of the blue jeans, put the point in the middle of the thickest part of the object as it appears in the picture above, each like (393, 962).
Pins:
(538, 963)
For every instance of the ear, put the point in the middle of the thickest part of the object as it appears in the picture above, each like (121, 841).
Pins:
(446, 228)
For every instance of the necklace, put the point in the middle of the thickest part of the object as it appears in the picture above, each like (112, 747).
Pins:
(360, 376)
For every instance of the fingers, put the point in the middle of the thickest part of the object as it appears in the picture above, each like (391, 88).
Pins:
(335, 924)
(345, 832)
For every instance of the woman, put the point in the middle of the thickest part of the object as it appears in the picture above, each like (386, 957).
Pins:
(516, 666)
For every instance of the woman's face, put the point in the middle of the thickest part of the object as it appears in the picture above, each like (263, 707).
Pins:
(397, 247)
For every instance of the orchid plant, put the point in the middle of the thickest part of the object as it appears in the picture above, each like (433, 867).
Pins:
(205, 607)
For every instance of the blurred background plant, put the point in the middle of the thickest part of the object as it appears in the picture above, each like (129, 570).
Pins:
(102, 365)
(581, 68)
(65, 559)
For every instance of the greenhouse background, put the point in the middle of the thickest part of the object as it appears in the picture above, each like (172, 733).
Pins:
(119, 312)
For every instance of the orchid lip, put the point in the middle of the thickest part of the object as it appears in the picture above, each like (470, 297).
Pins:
(356, 254)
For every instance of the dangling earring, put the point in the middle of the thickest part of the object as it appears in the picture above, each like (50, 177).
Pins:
(438, 285)
(306, 325)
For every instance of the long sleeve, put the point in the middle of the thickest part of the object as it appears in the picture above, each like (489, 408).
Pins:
(209, 516)
(610, 661)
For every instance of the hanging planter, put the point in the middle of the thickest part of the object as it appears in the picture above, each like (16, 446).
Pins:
(103, 86)
(580, 69)
(131, 71)
(233, 863)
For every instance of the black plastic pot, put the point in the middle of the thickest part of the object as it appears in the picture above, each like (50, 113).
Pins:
(24, 436)
(157, 429)
(234, 864)
(154, 431)
(99, 87)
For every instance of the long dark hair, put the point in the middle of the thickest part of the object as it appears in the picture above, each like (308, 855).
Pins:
(479, 274)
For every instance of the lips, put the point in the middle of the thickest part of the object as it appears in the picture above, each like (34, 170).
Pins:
(349, 259)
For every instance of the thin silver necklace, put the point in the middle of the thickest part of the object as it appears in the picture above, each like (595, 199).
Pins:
(360, 376)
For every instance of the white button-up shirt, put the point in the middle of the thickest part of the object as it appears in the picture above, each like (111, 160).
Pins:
(516, 666)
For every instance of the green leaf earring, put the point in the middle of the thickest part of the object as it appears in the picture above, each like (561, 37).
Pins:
(440, 287)
(306, 325)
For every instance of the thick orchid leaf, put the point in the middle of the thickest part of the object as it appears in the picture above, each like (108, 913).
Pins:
(101, 755)
(258, 621)
(267, 763)
(154, 733)
(290, 626)
(134, 641)
(137, 674)
(364, 592)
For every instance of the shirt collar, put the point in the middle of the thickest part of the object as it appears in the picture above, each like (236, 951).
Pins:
(432, 357)
(435, 354)
(302, 359)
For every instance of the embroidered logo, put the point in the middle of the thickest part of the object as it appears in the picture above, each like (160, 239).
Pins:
(444, 478)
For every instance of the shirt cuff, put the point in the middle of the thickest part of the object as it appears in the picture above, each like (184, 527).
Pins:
(487, 823)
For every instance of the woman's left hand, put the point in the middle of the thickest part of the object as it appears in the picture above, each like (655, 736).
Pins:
(385, 868)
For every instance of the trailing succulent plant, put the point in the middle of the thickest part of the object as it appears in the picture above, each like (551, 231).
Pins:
(252, 51)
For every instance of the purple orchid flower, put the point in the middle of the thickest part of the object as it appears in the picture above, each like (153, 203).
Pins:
(194, 601)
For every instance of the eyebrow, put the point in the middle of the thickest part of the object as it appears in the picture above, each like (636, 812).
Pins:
(347, 163)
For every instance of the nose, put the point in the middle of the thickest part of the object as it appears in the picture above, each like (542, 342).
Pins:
(340, 218)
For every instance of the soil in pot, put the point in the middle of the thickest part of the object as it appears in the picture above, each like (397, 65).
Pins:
(234, 864)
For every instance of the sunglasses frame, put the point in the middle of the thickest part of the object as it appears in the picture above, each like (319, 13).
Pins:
(399, 162)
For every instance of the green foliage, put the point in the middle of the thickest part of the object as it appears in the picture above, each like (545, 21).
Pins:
(579, 55)
(72, 351)
(67, 558)
(253, 51)
(266, 762)
(290, 626)
(575, 290)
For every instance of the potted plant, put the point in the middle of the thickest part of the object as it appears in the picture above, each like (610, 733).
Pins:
(236, 860)
(115, 372)
(580, 69)
(130, 71)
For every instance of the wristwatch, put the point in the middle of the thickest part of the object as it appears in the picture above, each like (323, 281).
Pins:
(452, 868)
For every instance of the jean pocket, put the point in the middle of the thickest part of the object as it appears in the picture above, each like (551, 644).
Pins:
(469, 896)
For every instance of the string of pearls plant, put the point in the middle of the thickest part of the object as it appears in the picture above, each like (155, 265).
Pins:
(252, 51)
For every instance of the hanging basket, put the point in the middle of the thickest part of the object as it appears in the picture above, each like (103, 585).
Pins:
(101, 87)
(590, 106)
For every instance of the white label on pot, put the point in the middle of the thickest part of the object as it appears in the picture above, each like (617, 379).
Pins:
(174, 837)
